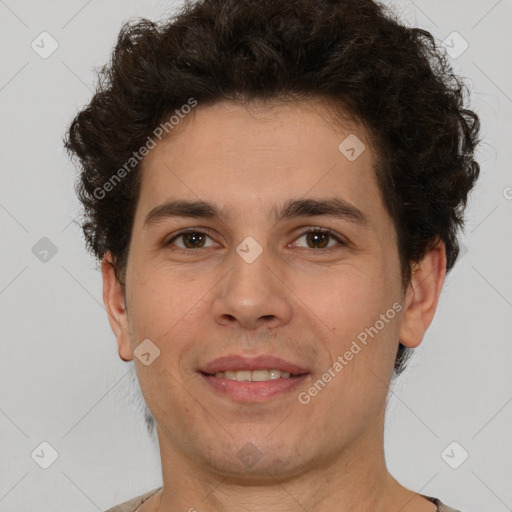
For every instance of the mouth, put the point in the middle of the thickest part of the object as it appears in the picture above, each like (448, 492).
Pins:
(263, 375)
(252, 379)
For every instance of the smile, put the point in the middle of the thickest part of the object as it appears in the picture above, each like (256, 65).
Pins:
(254, 376)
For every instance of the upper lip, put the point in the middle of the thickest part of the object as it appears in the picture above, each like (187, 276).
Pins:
(240, 363)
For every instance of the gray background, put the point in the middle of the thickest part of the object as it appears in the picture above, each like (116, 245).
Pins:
(61, 379)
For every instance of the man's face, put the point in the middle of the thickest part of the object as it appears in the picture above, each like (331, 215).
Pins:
(305, 299)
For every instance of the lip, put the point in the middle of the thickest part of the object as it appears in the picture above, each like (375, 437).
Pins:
(239, 363)
(254, 392)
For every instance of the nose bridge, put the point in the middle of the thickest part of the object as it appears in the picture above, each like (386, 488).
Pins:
(250, 275)
(252, 292)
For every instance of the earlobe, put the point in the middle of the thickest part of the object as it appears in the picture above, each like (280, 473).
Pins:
(423, 295)
(113, 298)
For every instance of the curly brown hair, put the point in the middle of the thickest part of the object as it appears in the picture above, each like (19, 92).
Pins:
(393, 79)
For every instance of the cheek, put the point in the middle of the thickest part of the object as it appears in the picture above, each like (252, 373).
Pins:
(165, 397)
(161, 301)
(343, 298)
(354, 308)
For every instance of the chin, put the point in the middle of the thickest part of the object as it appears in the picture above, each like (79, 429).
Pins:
(254, 458)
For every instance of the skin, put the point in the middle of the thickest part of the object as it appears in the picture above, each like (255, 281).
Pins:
(293, 301)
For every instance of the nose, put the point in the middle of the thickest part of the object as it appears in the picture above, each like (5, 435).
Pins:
(253, 295)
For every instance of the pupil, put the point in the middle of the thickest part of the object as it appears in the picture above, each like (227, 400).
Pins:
(318, 238)
(195, 237)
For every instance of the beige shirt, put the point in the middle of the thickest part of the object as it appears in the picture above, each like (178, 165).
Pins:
(133, 504)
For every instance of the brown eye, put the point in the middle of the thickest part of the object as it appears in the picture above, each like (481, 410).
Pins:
(319, 239)
(190, 240)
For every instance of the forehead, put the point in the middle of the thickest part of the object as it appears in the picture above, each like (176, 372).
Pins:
(266, 149)
(306, 126)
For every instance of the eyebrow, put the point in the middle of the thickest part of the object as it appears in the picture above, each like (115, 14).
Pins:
(331, 207)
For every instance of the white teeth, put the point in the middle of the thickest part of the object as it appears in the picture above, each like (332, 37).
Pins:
(255, 376)
(241, 376)
(260, 375)
(274, 374)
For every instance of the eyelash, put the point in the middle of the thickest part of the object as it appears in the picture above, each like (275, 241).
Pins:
(303, 231)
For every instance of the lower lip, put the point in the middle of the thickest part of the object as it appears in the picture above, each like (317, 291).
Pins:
(244, 391)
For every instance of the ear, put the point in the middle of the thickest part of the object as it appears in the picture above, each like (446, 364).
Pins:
(113, 297)
(422, 295)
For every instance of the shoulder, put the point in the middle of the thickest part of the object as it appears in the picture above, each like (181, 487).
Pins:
(134, 503)
(441, 507)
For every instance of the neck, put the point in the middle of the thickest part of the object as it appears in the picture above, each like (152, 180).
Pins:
(356, 480)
